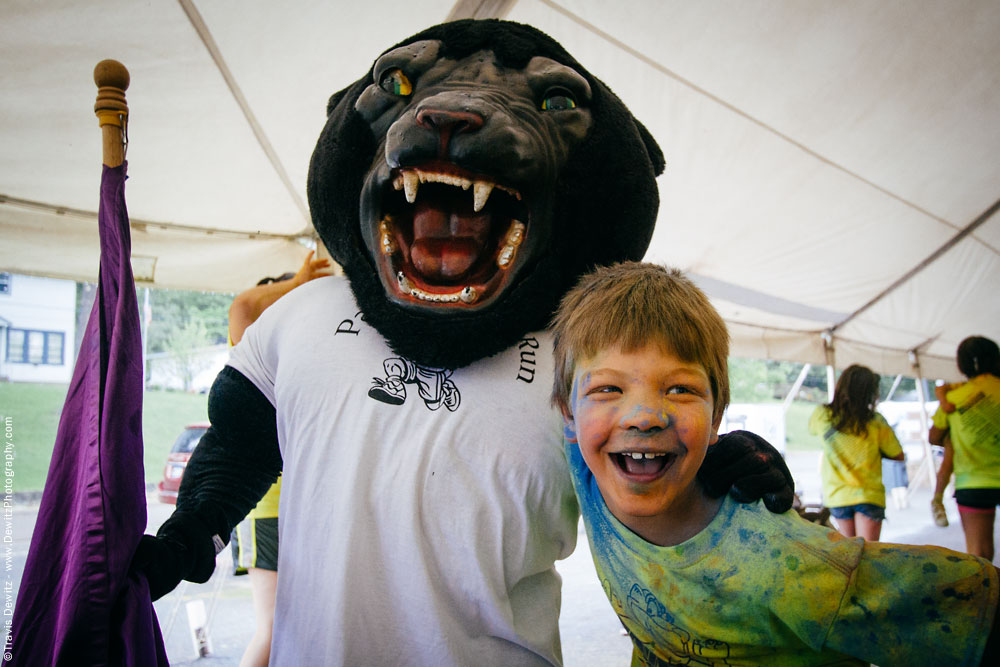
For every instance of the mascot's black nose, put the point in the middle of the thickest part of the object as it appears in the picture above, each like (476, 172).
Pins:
(448, 123)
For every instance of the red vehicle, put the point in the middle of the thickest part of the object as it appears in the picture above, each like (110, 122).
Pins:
(177, 460)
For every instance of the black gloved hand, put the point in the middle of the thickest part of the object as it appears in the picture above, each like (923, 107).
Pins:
(749, 468)
(183, 548)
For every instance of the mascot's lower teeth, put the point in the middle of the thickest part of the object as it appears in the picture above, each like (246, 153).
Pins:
(515, 235)
(467, 294)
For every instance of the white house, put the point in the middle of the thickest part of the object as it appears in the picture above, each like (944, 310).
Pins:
(37, 328)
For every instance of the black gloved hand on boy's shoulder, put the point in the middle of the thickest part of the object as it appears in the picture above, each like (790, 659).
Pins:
(747, 467)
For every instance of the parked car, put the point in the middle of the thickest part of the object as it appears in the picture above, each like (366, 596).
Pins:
(177, 460)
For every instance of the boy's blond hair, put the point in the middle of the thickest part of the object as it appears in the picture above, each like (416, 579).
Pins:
(630, 305)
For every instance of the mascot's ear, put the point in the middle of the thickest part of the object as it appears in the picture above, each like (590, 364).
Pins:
(652, 149)
(336, 173)
(335, 100)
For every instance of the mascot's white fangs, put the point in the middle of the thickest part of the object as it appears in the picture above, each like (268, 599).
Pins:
(464, 183)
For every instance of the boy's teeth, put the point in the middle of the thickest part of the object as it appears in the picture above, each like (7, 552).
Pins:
(640, 455)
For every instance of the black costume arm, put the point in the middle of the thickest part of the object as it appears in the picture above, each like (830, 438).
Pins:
(230, 470)
(747, 467)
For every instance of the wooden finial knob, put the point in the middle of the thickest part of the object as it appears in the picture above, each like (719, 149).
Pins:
(111, 108)
(111, 73)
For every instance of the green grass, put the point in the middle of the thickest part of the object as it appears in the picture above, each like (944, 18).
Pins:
(797, 428)
(34, 410)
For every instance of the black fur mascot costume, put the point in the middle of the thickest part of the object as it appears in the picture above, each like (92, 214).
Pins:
(464, 184)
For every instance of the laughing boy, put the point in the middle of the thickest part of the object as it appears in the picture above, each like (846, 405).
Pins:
(642, 382)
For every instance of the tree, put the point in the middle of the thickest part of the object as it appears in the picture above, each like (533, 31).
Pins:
(748, 381)
(184, 346)
(173, 310)
(764, 380)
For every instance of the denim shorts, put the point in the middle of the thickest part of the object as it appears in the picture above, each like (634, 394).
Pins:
(873, 512)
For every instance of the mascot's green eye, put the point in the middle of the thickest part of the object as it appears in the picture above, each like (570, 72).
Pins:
(558, 99)
(395, 82)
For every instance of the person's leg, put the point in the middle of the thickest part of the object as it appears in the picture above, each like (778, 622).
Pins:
(263, 585)
(940, 482)
(977, 523)
(846, 527)
(867, 527)
(844, 518)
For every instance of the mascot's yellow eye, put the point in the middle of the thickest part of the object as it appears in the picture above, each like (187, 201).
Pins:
(396, 83)
(558, 99)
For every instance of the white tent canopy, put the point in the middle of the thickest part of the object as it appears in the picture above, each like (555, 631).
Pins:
(832, 175)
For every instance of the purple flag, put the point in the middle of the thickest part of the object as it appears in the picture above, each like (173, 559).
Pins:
(77, 604)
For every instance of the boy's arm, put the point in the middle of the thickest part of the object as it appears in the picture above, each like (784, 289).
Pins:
(747, 467)
(991, 654)
(917, 605)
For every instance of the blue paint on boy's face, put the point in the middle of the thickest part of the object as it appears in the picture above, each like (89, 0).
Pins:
(643, 420)
(647, 419)
(568, 432)
(569, 427)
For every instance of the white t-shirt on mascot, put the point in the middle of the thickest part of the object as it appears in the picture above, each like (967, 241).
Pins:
(421, 514)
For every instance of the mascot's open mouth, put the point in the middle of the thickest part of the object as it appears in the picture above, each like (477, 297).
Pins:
(447, 236)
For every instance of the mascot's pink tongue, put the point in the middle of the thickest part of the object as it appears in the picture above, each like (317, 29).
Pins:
(446, 244)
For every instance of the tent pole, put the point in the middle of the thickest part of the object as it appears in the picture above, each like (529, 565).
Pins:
(794, 391)
(827, 337)
(928, 463)
(892, 389)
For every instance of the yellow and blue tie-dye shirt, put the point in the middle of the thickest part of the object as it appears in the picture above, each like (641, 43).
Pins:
(851, 471)
(974, 427)
(756, 588)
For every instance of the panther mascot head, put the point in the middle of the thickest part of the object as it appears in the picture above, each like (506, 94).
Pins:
(469, 179)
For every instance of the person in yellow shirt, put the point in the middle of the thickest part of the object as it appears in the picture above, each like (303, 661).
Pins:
(967, 425)
(255, 539)
(855, 440)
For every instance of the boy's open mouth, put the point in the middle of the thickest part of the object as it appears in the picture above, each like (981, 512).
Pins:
(643, 464)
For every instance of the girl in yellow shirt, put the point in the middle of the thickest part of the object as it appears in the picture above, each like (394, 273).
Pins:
(855, 440)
